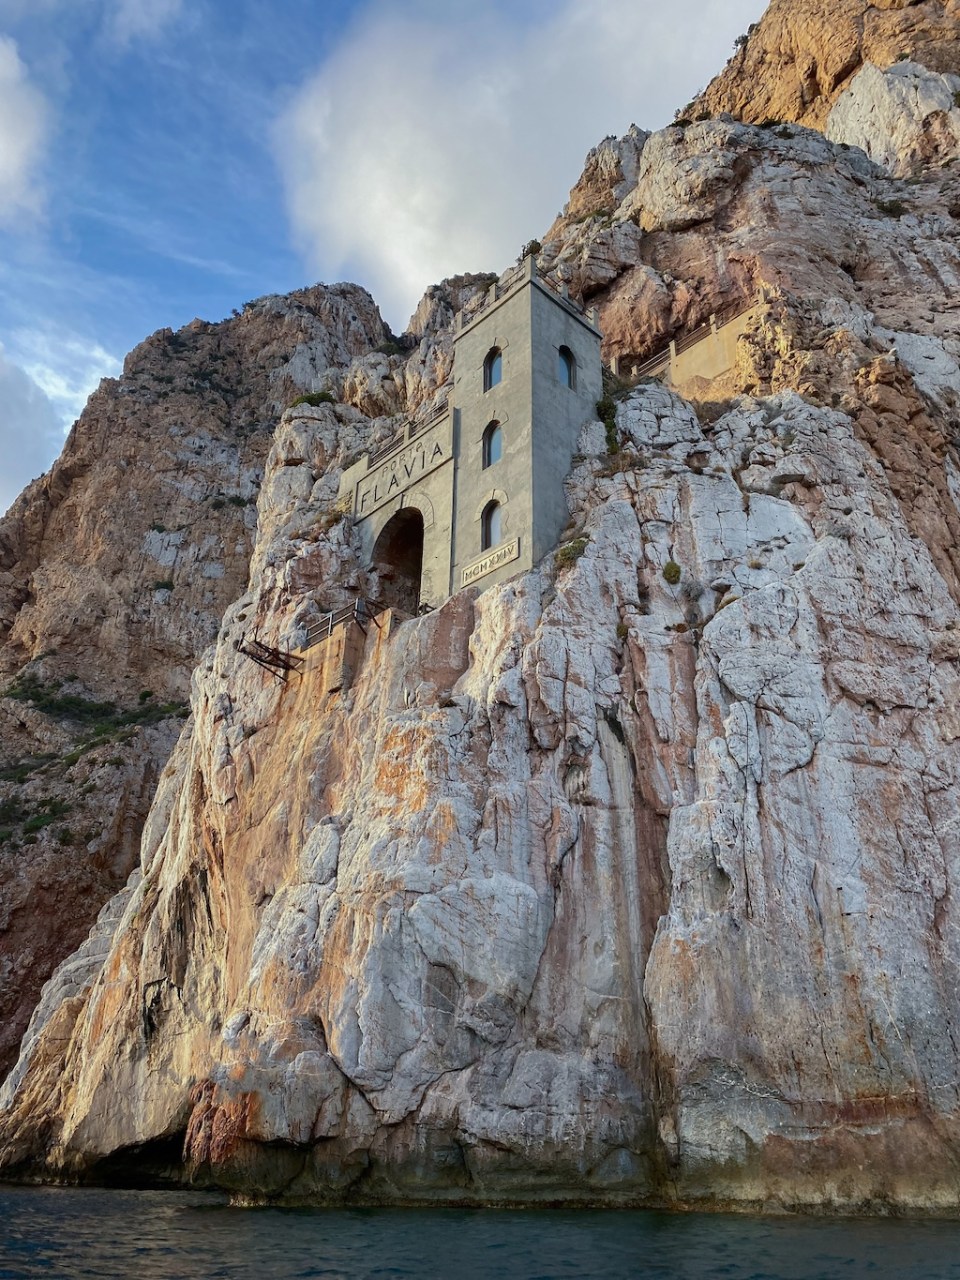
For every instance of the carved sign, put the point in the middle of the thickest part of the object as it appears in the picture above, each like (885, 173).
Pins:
(489, 561)
(403, 469)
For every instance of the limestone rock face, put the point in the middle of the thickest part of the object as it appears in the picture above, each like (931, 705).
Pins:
(627, 880)
(599, 885)
(172, 452)
(720, 210)
(115, 570)
(802, 54)
(902, 118)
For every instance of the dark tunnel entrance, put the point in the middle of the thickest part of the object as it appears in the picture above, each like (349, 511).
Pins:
(398, 561)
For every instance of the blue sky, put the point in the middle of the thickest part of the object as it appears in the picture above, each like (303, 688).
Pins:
(163, 159)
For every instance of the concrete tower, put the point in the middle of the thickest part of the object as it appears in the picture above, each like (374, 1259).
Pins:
(547, 354)
(475, 494)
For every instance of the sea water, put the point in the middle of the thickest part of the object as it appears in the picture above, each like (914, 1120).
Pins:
(153, 1235)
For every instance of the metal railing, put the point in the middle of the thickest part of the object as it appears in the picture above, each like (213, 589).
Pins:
(688, 340)
(359, 611)
(558, 290)
(661, 359)
(499, 289)
(384, 451)
(441, 411)
(406, 433)
(653, 365)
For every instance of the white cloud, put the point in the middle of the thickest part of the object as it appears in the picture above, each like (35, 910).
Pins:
(24, 127)
(17, 10)
(31, 431)
(123, 20)
(45, 379)
(64, 367)
(438, 139)
(129, 20)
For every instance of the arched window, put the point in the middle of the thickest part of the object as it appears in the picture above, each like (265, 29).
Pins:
(490, 526)
(492, 368)
(492, 444)
(566, 367)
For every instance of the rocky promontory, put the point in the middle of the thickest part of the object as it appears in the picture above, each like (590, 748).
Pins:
(628, 880)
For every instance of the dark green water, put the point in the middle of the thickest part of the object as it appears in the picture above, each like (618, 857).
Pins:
(150, 1235)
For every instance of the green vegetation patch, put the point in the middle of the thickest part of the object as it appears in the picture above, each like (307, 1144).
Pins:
(50, 812)
(607, 413)
(146, 713)
(672, 573)
(12, 811)
(570, 553)
(63, 706)
(314, 398)
(105, 718)
(22, 770)
(25, 823)
(892, 208)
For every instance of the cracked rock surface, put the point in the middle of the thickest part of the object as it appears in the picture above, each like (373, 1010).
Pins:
(629, 880)
(595, 885)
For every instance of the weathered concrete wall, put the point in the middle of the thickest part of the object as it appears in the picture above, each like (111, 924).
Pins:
(506, 324)
(559, 411)
(710, 358)
(540, 419)
(420, 475)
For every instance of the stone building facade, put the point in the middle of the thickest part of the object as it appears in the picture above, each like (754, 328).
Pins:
(475, 494)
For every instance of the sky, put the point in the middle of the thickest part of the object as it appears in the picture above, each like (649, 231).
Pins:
(166, 159)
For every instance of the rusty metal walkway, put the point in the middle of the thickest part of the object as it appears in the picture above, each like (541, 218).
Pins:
(279, 662)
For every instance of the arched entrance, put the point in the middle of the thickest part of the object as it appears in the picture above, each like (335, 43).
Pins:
(398, 561)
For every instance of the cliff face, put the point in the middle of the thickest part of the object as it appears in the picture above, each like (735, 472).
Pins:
(882, 76)
(172, 454)
(803, 54)
(115, 570)
(631, 878)
(605, 884)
